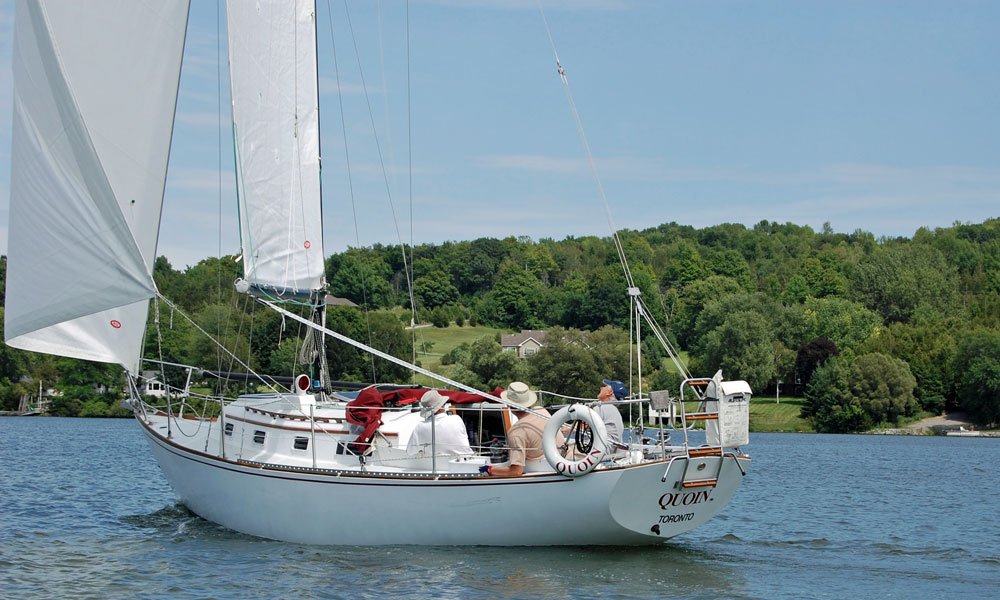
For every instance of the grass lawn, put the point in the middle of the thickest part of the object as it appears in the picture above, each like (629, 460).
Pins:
(766, 415)
(444, 340)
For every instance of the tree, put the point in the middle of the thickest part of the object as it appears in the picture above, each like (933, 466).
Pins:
(474, 264)
(796, 290)
(565, 365)
(847, 324)
(346, 362)
(201, 284)
(434, 289)
(362, 277)
(731, 263)
(606, 300)
(493, 366)
(11, 359)
(439, 317)
(977, 368)
(514, 298)
(569, 301)
(284, 358)
(855, 394)
(829, 403)
(692, 301)
(811, 356)
(229, 327)
(928, 347)
(686, 265)
(381, 330)
(900, 278)
(610, 348)
(743, 347)
(884, 385)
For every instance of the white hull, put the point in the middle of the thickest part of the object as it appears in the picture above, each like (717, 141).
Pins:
(613, 506)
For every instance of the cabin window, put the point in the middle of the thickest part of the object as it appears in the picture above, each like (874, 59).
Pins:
(529, 351)
(258, 436)
(229, 429)
(301, 443)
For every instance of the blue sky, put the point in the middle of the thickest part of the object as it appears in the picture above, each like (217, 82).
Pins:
(881, 116)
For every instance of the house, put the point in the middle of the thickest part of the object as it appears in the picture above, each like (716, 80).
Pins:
(525, 343)
(152, 386)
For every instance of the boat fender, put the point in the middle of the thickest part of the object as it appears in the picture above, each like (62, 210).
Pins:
(586, 464)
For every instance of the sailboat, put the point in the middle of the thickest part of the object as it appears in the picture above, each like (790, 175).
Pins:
(93, 116)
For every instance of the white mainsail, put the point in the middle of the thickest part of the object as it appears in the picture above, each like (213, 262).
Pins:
(95, 89)
(272, 64)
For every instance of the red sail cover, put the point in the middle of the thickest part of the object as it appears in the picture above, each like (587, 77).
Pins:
(366, 409)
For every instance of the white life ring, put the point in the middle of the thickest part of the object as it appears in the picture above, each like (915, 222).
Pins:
(566, 466)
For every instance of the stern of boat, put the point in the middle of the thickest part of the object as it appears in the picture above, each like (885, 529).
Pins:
(667, 499)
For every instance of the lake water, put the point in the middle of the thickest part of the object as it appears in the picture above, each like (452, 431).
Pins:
(85, 512)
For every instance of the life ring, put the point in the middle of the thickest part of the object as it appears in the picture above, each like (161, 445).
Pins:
(566, 466)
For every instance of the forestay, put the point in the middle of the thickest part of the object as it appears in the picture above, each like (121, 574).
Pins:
(95, 88)
(272, 54)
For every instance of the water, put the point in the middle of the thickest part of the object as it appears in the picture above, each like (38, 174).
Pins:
(85, 513)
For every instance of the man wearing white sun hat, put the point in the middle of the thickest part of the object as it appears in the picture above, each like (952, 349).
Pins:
(447, 432)
(524, 439)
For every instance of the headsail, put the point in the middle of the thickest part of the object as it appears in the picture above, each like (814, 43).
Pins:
(272, 63)
(95, 88)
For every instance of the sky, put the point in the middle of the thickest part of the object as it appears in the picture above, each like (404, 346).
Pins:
(881, 116)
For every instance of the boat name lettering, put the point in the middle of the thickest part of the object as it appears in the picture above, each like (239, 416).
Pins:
(676, 518)
(686, 499)
(577, 467)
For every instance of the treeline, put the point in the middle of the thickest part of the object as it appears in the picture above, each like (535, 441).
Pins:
(869, 330)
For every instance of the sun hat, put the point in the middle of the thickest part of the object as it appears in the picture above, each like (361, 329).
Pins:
(431, 402)
(520, 394)
(617, 387)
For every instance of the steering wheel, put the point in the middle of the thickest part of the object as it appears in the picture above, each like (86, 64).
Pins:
(584, 436)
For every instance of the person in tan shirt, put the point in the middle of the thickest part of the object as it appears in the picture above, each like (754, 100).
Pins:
(524, 440)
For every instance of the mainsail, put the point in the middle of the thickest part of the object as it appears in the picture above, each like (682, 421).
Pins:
(95, 89)
(272, 63)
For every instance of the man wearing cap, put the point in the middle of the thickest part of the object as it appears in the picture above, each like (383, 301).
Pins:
(446, 432)
(524, 440)
(612, 390)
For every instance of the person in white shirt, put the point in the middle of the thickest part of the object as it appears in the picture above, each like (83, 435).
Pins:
(449, 436)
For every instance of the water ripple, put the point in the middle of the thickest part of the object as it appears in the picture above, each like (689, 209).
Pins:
(817, 517)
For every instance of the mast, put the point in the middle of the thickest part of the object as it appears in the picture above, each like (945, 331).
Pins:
(319, 307)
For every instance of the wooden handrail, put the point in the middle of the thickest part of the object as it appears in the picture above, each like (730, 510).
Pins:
(703, 483)
(701, 416)
(700, 452)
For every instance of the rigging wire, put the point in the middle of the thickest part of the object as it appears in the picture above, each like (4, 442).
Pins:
(616, 239)
(385, 178)
(409, 187)
(590, 156)
(350, 182)
(263, 379)
(163, 374)
(399, 361)
(218, 95)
